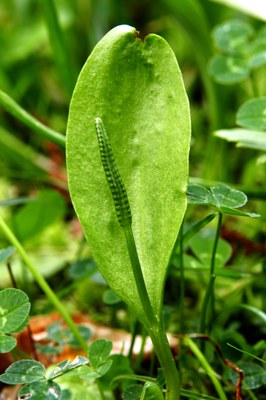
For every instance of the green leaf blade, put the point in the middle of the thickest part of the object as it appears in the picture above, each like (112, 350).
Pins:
(198, 194)
(14, 310)
(7, 343)
(99, 352)
(151, 391)
(195, 228)
(202, 246)
(37, 215)
(228, 70)
(41, 390)
(252, 114)
(128, 83)
(225, 196)
(231, 37)
(221, 196)
(258, 49)
(244, 138)
(67, 366)
(24, 371)
(6, 253)
(256, 9)
(232, 211)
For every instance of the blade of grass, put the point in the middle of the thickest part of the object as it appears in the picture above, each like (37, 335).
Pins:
(49, 293)
(25, 158)
(247, 353)
(23, 152)
(43, 284)
(18, 112)
(207, 298)
(195, 228)
(204, 363)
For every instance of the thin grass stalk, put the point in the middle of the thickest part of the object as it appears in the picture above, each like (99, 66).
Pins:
(204, 363)
(209, 299)
(18, 112)
(43, 284)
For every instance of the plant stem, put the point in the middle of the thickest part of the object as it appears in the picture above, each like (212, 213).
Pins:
(18, 112)
(154, 327)
(207, 367)
(206, 300)
(43, 284)
(165, 357)
(99, 387)
(139, 278)
(218, 230)
(209, 296)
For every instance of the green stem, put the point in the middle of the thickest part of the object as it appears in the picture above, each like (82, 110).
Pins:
(212, 267)
(43, 284)
(208, 295)
(154, 327)
(165, 357)
(101, 392)
(18, 112)
(139, 278)
(218, 230)
(207, 367)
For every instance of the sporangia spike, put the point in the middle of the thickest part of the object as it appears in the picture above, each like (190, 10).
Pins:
(113, 176)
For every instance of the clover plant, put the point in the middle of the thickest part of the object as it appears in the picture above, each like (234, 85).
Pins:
(242, 55)
(241, 51)
(14, 311)
(39, 383)
(251, 117)
(226, 200)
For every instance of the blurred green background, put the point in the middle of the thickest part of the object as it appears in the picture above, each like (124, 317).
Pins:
(43, 46)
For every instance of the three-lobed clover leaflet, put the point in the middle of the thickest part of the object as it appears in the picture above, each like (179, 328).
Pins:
(113, 176)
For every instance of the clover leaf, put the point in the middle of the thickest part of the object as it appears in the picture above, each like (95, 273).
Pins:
(227, 200)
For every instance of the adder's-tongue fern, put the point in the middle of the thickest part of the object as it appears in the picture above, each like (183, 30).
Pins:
(113, 177)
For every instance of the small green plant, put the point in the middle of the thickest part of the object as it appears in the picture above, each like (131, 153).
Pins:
(14, 312)
(243, 51)
(252, 121)
(131, 225)
(226, 201)
(39, 383)
(59, 336)
(243, 57)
